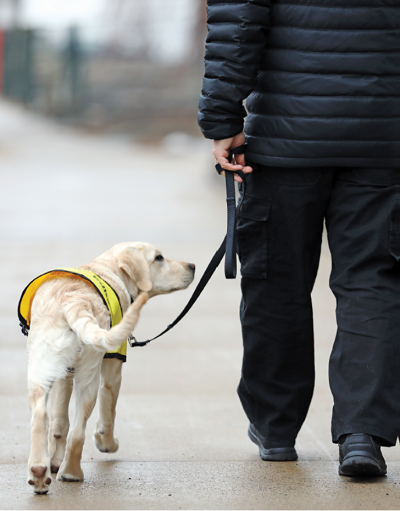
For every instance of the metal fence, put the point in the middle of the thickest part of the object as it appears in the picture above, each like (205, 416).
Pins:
(17, 64)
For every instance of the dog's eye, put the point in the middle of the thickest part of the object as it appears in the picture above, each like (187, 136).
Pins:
(159, 258)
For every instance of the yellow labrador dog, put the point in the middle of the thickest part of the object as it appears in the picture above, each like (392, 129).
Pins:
(69, 335)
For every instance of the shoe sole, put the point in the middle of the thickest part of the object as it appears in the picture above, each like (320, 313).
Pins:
(275, 454)
(361, 466)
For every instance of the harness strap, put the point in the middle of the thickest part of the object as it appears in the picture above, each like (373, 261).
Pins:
(227, 248)
(109, 296)
(107, 293)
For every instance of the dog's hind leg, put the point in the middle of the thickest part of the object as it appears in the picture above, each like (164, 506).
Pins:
(108, 394)
(86, 394)
(59, 421)
(39, 475)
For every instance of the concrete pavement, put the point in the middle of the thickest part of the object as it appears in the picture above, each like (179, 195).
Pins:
(66, 197)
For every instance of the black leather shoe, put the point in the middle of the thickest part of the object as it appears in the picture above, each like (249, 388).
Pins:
(273, 454)
(360, 455)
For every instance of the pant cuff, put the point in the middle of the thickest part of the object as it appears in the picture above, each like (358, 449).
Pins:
(389, 438)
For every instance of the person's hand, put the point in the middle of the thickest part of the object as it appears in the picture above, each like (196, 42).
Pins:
(220, 152)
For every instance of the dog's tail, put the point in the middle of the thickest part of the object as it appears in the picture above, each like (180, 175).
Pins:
(90, 333)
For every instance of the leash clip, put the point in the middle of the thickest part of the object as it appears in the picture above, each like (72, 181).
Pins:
(133, 342)
(24, 329)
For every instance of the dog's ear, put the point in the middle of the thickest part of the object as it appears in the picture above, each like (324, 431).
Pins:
(134, 264)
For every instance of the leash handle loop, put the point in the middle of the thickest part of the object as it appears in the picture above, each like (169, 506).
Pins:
(231, 241)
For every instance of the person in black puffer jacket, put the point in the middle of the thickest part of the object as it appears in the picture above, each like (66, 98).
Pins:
(321, 81)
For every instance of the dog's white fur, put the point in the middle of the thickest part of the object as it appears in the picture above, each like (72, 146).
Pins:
(69, 335)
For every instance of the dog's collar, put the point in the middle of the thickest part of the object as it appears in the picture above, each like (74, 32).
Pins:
(109, 296)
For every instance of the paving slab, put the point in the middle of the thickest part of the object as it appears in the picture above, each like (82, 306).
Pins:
(65, 197)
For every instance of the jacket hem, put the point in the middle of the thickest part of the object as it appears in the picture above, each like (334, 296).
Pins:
(280, 161)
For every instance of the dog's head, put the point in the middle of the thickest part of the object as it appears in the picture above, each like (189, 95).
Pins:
(146, 269)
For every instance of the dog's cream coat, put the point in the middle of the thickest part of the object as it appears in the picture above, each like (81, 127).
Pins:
(69, 335)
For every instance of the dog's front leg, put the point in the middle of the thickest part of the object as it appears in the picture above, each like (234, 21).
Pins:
(108, 394)
(59, 422)
(39, 461)
(86, 395)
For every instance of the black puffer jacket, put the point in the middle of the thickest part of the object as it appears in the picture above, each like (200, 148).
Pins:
(322, 78)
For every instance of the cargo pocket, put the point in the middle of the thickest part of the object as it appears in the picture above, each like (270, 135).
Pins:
(252, 235)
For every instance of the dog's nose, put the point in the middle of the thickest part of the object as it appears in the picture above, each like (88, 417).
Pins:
(192, 266)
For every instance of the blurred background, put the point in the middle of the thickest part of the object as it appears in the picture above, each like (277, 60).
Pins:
(119, 66)
(99, 144)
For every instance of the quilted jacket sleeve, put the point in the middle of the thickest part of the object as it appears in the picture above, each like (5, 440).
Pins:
(234, 49)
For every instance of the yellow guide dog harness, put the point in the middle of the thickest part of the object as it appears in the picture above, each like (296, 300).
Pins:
(109, 296)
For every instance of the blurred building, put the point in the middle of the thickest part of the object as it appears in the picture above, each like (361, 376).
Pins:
(130, 66)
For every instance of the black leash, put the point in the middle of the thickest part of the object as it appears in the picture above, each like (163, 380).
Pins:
(227, 248)
(230, 257)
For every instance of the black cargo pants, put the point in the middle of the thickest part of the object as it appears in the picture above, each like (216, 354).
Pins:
(280, 228)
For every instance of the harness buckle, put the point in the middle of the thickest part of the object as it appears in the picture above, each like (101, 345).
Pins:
(24, 328)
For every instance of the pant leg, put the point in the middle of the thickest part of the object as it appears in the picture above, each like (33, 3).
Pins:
(280, 228)
(363, 222)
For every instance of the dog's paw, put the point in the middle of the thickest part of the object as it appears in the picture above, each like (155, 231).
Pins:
(58, 450)
(70, 476)
(56, 462)
(40, 478)
(105, 443)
